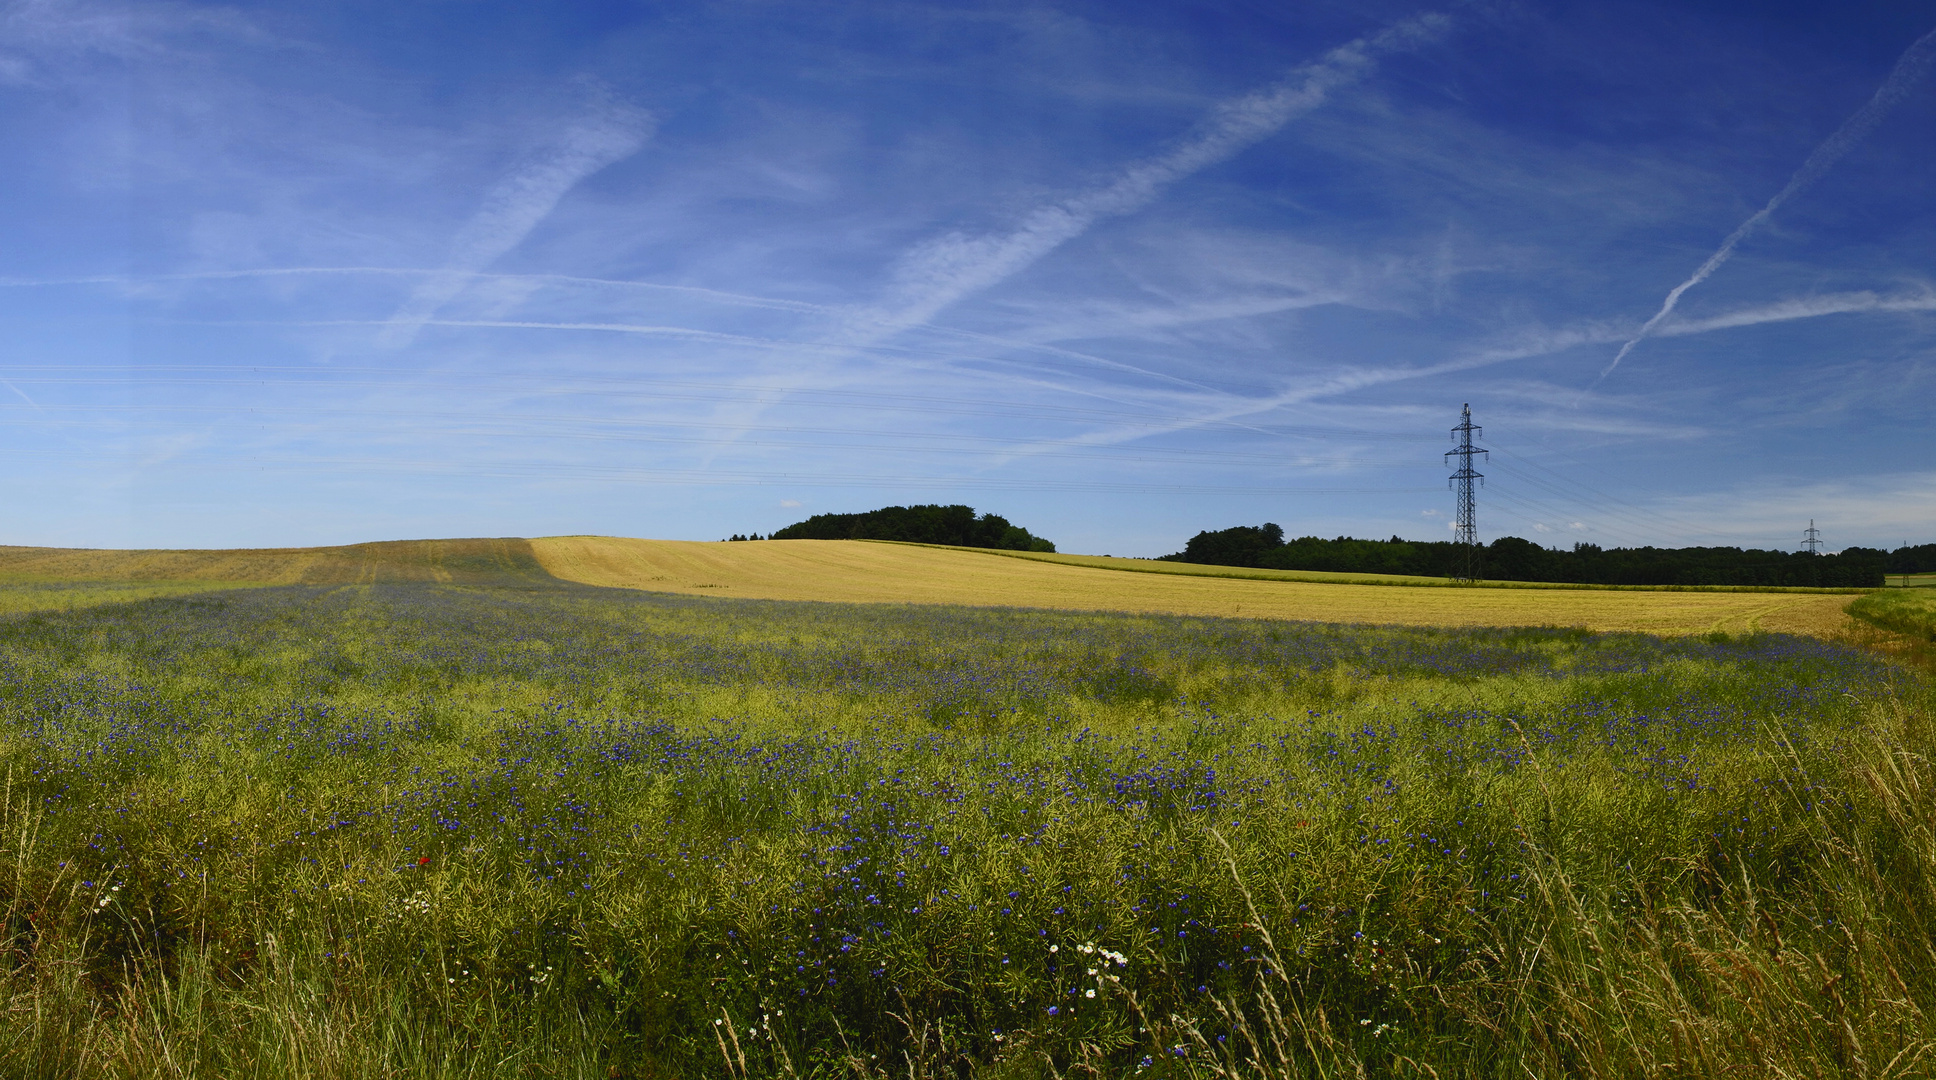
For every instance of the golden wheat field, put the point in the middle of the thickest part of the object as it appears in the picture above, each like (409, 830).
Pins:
(868, 572)
(900, 573)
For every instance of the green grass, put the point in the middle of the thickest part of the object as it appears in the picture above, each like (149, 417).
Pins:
(1910, 612)
(435, 830)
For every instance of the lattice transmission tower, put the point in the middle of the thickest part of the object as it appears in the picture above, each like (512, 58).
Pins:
(1813, 542)
(1466, 530)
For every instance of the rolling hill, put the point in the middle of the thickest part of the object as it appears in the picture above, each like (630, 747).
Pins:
(878, 572)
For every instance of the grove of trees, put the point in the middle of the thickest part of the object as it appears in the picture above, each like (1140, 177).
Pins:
(1510, 558)
(927, 524)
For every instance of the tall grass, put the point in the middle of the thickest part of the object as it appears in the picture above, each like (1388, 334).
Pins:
(1911, 612)
(418, 830)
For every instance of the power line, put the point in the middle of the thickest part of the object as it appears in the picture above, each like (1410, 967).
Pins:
(1467, 528)
(1604, 503)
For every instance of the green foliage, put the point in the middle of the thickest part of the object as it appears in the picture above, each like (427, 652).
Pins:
(423, 830)
(930, 524)
(1916, 559)
(1510, 558)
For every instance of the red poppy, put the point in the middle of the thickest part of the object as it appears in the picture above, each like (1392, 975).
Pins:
(423, 860)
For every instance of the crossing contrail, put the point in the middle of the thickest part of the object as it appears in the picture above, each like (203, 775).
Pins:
(518, 203)
(937, 274)
(1909, 69)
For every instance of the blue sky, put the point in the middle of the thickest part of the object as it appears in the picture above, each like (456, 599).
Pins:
(326, 272)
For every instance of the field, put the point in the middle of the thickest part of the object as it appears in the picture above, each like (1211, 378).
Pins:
(846, 571)
(442, 813)
(482, 561)
(877, 573)
(1908, 612)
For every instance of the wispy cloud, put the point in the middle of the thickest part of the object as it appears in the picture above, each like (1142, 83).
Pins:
(1909, 69)
(782, 297)
(720, 296)
(610, 132)
(940, 272)
(39, 37)
(1539, 341)
(1804, 307)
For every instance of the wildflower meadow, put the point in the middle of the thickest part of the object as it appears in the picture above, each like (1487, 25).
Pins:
(555, 830)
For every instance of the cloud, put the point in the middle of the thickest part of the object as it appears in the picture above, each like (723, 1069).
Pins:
(790, 504)
(1804, 307)
(1529, 343)
(1909, 69)
(1122, 319)
(940, 272)
(39, 37)
(1538, 341)
(609, 133)
(694, 292)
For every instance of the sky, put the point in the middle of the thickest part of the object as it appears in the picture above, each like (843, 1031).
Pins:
(318, 273)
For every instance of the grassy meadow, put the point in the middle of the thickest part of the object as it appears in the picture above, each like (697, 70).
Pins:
(516, 826)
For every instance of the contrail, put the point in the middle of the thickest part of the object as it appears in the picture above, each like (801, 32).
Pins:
(1908, 70)
(22, 393)
(939, 273)
(517, 204)
(943, 271)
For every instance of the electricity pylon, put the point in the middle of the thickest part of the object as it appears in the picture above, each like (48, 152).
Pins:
(1813, 543)
(1466, 530)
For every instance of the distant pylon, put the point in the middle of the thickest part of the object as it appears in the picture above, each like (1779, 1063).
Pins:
(1466, 529)
(1813, 545)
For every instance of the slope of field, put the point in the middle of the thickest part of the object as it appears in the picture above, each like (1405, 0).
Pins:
(865, 572)
(503, 561)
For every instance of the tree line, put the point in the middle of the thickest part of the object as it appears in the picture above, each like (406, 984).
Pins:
(1510, 558)
(928, 524)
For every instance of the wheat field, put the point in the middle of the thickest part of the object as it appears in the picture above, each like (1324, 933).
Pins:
(862, 572)
(887, 573)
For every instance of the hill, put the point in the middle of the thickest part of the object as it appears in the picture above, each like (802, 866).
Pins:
(905, 573)
(878, 572)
